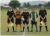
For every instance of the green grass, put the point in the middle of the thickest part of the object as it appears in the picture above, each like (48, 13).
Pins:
(4, 26)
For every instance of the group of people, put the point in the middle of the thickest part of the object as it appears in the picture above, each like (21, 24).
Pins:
(22, 18)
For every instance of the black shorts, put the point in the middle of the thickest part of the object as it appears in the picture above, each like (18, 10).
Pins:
(26, 21)
(12, 20)
(45, 20)
(18, 21)
(33, 22)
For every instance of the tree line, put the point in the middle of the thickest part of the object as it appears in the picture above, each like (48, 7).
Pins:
(16, 3)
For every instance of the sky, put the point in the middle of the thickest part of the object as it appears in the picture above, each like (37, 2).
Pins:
(7, 1)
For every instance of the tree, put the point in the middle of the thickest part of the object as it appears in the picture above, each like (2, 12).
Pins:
(48, 4)
(14, 4)
(40, 5)
(26, 4)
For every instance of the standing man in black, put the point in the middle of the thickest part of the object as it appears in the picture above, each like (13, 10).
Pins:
(10, 19)
(43, 14)
(25, 15)
(18, 20)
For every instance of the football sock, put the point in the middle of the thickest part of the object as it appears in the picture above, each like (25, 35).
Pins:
(13, 28)
(8, 30)
(40, 28)
(46, 28)
(32, 28)
(28, 28)
(23, 28)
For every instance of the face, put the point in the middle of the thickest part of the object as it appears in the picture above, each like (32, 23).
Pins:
(33, 10)
(25, 10)
(10, 9)
(42, 8)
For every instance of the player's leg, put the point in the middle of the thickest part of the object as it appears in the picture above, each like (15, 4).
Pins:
(23, 25)
(20, 26)
(17, 27)
(27, 27)
(8, 27)
(27, 22)
(36, 26)
(16, 22)
(8, 21)
(12, 24)
(40, 28)
(46, 27)
(31, 26)
(45, 21)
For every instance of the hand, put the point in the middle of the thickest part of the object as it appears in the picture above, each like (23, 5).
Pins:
(44, 17)
(22, 18)
(31, 18)
(10, 19)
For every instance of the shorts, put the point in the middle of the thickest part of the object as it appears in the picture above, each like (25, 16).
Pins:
(33, 22)
(18, 21)
(12, 20)
(45, 20)
(26, 21)
(10, 25)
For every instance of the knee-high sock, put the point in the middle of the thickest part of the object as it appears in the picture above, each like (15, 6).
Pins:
(36, 28)
(40, 28)
(13, 28)
(27, 28)
(46, 28)
(23, 28)
(31, 27)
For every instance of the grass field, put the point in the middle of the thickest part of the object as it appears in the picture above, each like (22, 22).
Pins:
(4, 26)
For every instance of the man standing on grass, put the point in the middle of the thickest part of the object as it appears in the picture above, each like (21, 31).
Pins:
(33, 16)
(25, 15)
(43, 14)
(18, 19)
(10, 20)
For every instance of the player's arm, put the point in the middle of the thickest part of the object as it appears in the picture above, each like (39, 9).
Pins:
(36, 15)
(22, 15)
(12, 15)
(45, 14)
(30, 15)
(40, 15)
(8, 15)
(15, 14)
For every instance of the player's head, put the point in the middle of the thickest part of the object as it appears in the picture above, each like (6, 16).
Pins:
(42, 8)
(28, 10)
(18, 10)
(33, 10)
(22, 10)
(10, 9)
(25, 9)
